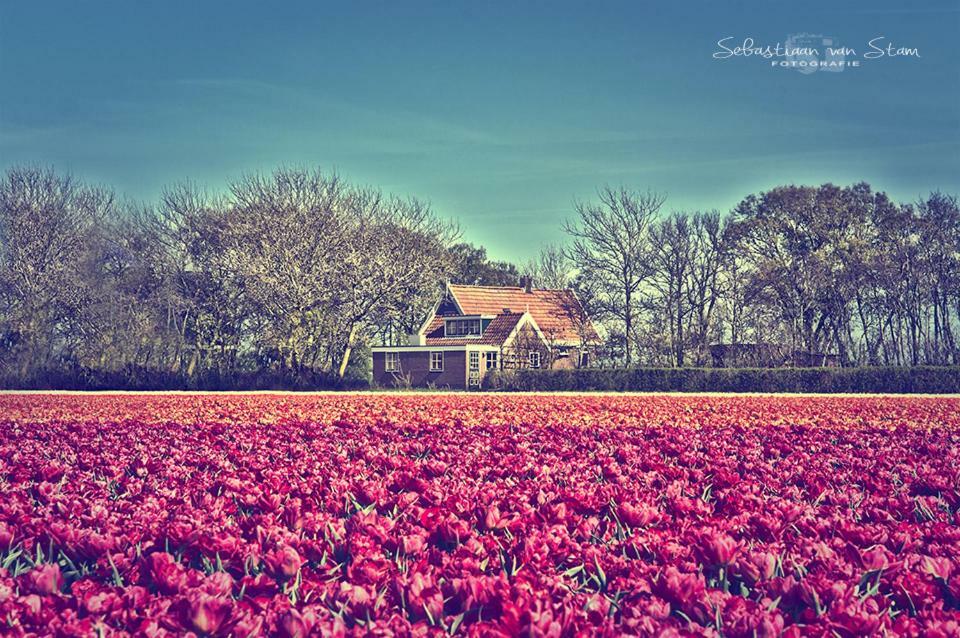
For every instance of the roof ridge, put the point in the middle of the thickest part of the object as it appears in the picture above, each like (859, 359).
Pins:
(512, 288)
(486, 286)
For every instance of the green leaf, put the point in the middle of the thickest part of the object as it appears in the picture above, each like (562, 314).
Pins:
(117, 579)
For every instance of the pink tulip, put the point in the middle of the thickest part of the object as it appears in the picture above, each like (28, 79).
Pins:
(46, 579)
(283, 563)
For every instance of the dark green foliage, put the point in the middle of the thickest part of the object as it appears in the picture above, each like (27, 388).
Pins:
(921, 379)
(471, 266)
(136, 378)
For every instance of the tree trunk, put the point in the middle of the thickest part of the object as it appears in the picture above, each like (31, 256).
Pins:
(679, 329)
(192, 366)
(346, 351)
(628, 325)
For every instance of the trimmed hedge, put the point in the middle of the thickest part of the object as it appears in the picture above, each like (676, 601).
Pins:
(138, 379)
(921, 379)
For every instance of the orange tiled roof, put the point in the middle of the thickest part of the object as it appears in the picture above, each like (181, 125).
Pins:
(555, 311)
(496, 333)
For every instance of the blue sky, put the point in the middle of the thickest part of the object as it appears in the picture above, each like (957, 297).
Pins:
(500, 114)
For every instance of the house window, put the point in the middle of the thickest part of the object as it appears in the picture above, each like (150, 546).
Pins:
(475, 362)
(534, 359)
(492, 360)
(584, 359)
(392, 362)
(462, 328)
(436, 362)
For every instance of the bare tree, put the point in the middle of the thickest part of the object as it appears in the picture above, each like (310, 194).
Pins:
(326, 264)
(672, 260)
(204, 301)
(611, 246)
(398, 252)
(48, 225)
(551, 269)
(939, 220)
(710, 250)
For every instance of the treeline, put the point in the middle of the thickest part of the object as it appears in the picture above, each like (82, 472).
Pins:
(284, 279)
(284, 275)
(825, 270)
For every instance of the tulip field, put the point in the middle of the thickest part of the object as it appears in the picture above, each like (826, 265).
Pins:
(377, 514)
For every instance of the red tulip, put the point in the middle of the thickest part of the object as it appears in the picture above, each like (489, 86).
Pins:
(494, 519)
(207, 613)
(6, 536)
(293, 624)
(413, 543)
(719, 549)
(166, 573)
(283, 563)
(638, 515)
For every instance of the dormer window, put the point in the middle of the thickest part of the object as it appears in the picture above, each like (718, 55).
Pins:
(462, 328)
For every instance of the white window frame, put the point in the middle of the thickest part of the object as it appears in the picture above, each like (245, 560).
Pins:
(534, 356)
(474, 361)
(492, 360)
(436, 361)
(391, 361)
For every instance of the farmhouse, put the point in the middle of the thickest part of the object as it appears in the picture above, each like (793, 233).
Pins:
(475, 329)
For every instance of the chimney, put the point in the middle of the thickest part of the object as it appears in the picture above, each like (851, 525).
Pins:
(527, 282)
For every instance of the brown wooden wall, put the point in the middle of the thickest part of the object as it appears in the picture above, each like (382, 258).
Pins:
(416, 365)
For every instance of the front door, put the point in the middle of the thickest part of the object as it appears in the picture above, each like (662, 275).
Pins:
(473, 370)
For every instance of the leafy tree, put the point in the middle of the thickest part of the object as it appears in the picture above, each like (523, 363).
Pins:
(802, 245)
(472, 267)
